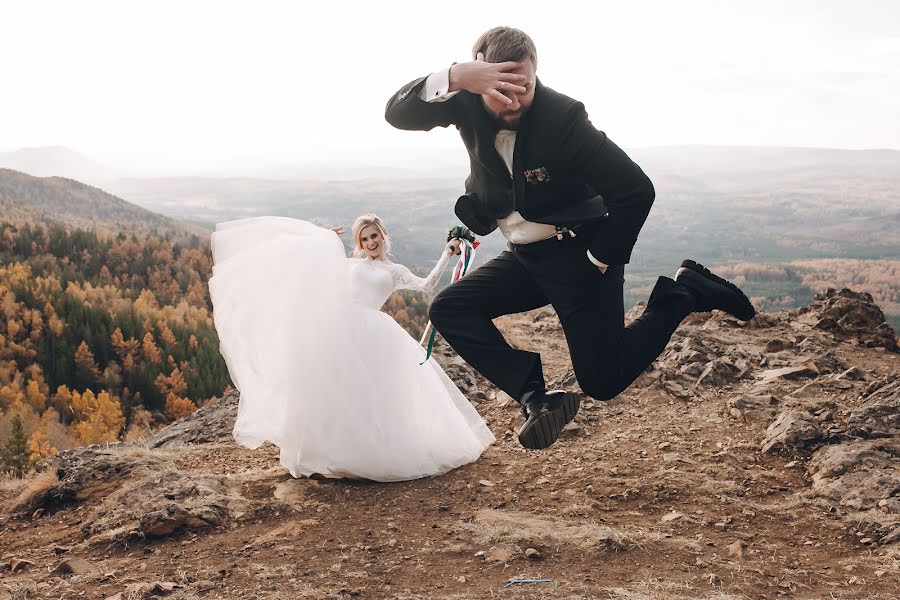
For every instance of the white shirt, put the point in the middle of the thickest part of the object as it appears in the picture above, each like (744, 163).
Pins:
(513, 226)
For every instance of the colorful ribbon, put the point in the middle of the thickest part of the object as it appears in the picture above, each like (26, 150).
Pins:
(467, 253)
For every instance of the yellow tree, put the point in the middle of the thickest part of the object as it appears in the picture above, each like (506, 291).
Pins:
(11, 393)
(102, 418)
(12, 328)
(39, 443)
(35, 397)
(166, 335)
(61, 400)
(151, 352)
(82, 403)
(196, 294)
(86, 369)
(173, 384)
(177, 407)
(141, 424)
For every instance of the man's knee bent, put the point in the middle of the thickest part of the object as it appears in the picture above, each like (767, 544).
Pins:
(598, 386)
(442, 308)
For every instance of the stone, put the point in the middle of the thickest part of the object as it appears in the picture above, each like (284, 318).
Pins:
(212, 422)
(892, 537)
(74, 566)
(879, 413)
(813, 389)
(858, 474)
(163, 587)
(502, 553)
(137, 590)
(850, 315)
(853, 373)
(736, 549)
(807, 369)
(754, 408)
(20, 564)
(173, 517)
(791, 431)
(775, 345)
(719, 372)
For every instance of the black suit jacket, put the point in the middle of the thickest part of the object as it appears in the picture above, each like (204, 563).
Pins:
(565, 172)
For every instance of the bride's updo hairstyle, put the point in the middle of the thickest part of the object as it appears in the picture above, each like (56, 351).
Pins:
(361, 223)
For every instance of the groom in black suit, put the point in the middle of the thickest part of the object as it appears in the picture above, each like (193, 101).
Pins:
(570, 204)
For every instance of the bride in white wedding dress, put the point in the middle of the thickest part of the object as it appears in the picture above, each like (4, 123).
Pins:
(323, 374)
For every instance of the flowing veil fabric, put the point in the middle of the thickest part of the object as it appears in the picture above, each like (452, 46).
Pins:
(334, 383)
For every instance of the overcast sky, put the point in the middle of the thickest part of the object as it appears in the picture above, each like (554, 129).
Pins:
(192, 83)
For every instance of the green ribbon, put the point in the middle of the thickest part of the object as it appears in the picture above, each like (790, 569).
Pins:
(467, 256)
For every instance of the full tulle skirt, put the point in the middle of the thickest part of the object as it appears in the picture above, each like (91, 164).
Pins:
(337, 386)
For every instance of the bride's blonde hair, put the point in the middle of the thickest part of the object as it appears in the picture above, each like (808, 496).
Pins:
(361, 223)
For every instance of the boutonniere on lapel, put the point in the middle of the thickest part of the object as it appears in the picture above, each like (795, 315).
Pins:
(539, 175)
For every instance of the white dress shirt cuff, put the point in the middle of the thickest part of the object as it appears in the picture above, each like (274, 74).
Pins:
(437, 87)
(599, 264)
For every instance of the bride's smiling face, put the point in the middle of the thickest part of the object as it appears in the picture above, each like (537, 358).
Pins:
(372, 241)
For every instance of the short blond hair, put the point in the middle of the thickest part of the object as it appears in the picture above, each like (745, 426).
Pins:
(361, 223)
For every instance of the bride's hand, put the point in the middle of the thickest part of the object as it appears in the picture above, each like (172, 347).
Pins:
(453, 246)
(338, 230)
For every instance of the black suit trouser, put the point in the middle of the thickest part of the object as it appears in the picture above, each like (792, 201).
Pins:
(607, 356)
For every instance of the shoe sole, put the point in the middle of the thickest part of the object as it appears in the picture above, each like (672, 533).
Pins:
(545, 429)
(698, 268)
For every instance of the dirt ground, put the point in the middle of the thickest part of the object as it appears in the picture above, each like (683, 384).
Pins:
(654, 495)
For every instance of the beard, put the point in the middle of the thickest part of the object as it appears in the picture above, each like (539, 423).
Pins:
(508, 119)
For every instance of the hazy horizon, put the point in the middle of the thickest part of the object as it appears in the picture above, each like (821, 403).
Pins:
(208, 87)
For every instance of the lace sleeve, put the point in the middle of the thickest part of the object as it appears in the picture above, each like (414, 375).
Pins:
(404, 279)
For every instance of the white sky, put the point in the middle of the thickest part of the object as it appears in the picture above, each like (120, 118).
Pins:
(194, 83)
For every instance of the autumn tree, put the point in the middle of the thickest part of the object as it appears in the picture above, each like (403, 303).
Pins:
(172, 384)
(177, 407)
(87, 373)
(151, 352)
(166, 335)
(35, 397)
(101, 418)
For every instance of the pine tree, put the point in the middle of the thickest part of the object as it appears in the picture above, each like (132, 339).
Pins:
(87, 373)
(15, 457)
(151, 352)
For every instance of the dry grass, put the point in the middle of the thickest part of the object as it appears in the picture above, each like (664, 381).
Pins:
(34, 486)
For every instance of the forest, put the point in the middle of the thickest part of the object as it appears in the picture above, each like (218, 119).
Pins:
(108, 337)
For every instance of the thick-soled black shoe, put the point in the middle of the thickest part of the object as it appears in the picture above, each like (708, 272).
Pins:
(712, 292)
(546, 413)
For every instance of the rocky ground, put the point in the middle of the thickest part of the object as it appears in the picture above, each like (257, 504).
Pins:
(754, 460)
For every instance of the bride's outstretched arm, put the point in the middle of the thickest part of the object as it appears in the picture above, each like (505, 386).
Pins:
(404, 279)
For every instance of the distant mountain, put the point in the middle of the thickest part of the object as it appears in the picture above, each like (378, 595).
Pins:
(749, 168)
(45, 200)
(56, 161)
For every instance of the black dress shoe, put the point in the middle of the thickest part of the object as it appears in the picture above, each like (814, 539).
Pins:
(546, 413)
(712, 292)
